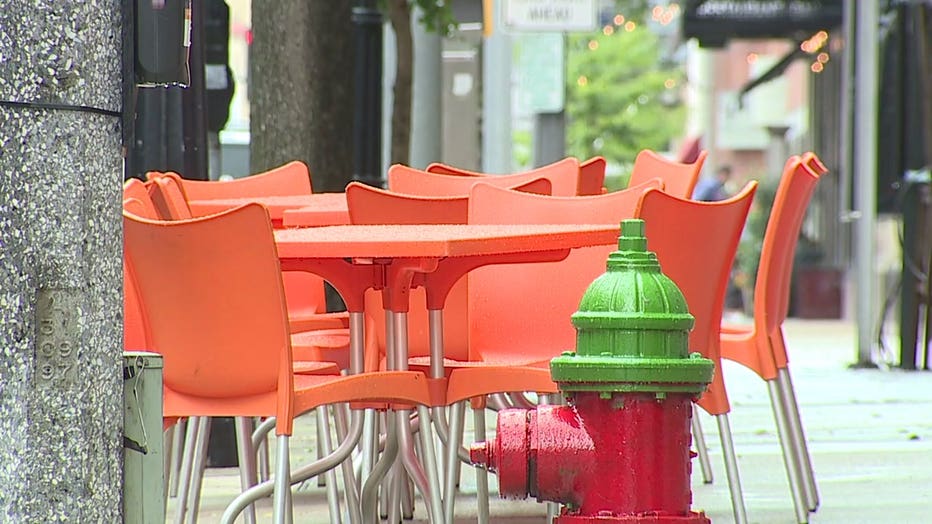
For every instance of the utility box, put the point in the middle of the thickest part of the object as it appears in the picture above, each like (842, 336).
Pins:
(143, 458)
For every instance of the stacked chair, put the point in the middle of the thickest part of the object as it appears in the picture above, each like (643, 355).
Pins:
(761, 346)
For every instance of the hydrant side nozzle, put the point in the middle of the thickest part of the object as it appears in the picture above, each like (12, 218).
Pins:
(481, 455)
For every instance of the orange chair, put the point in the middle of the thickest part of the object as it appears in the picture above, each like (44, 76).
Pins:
(563, 176)
(695, 243)
(220, 323)
(590, 180)
(761, 346)
(304, 292)
(292, 178)
(678, 179)
(136, 200)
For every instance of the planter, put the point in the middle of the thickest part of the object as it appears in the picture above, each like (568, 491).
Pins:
(816, 292)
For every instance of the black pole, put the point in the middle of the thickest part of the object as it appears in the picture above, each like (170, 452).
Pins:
(194, 101)
(367, 116)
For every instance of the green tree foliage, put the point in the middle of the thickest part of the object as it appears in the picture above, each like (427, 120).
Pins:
(619, 97)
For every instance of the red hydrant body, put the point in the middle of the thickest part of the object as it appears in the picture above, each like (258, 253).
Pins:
(624, 459)
(620, 451)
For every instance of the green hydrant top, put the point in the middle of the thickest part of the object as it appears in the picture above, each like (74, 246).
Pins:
(632, 329)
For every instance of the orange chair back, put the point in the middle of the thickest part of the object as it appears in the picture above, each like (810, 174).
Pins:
(774, 272)
(304, 291)
(695, 243)
(526, 308)
(211, 293)
(369, 205)
(563, 177)
(169, 199)
(678, 179)
(292, 178)
(136, 201)
(591, 177)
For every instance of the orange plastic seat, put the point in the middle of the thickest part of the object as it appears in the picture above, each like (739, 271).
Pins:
(590, 179)
(695, 243)
(220, 323)
(563, 176)
(761, 346)
(678, 179)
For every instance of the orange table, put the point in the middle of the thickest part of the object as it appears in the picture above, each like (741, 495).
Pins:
(396, 258)
(322, 208)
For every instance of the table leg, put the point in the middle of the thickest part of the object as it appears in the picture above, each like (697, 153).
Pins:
(408, 457)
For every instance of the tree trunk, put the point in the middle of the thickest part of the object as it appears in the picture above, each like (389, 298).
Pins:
(301, 85)
(60, 261)
(399, 13)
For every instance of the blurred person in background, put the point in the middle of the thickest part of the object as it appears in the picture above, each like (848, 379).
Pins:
(710, 189)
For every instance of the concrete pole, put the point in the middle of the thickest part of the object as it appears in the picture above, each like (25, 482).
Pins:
(427, 94)
(865, 174)
(496, 100)
(60, 261)
(701, 119)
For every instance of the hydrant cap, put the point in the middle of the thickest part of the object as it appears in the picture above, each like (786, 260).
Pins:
(632, 328)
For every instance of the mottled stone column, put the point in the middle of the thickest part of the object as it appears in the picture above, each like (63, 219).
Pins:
(60, 262)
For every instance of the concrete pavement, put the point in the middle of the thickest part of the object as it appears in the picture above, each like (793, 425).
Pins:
(869, 432)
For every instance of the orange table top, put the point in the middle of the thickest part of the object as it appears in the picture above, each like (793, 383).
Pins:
(436, 241)
(328, 208)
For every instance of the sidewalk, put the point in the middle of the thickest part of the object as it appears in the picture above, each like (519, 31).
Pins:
(869, 432)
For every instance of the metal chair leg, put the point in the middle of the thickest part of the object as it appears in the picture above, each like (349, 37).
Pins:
(177, 450)
(731, 469)
(247, 460)
(262, 457)
(282, 506)
(370, 490)
(321, 479)
(705, 465)
(197, 470)
(454, 439)
(326, 447)
(350, 486)
(482, 475)
(185, 469)
(791, 406)
(168, 440)
(429, 455)
(790, 461)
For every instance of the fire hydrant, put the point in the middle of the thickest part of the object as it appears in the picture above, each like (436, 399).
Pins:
(620, 450)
